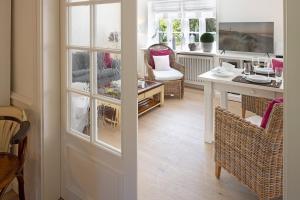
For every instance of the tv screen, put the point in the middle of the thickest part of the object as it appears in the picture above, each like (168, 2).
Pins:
(255, 37)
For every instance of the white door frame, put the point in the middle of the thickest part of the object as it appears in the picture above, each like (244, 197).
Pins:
(49, 187)
(49, 54)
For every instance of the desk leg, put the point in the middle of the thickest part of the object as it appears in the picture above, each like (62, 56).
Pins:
(208, 103)
(224, 100)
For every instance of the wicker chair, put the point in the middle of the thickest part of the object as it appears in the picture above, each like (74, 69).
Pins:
(172, 87)
(13, 132)
(256, 105)
(250, 153)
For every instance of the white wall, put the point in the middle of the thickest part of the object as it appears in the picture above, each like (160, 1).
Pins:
(5, 21)
(254, 11)
(292, 97)
(26, 86)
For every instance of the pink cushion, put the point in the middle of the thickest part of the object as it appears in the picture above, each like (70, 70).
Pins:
(107, 60)
(154, 52)
(268, 111)
(277, 63)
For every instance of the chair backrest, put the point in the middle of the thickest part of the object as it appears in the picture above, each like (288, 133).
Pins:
(161, 47)
(275, 123)
(13, 128)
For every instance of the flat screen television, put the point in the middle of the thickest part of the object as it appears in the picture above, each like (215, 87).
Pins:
(257, 37)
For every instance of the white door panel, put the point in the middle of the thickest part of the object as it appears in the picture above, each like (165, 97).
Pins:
(99, 141)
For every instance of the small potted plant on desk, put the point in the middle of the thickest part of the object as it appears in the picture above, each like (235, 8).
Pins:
(207, 40)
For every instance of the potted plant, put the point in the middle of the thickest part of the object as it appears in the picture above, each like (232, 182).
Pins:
(207, 40)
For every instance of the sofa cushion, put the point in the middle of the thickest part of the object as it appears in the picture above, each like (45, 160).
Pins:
(169, 75)
(162, 63)
(154, 52)
(255, 119)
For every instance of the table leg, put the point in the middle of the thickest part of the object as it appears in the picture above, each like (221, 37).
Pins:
(208, 103)
(162, 96)
(224, 100)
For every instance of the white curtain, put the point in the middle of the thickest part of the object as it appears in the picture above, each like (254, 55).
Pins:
(182, 5)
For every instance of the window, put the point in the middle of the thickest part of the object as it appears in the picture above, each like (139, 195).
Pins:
(194, 34)
(163, 31)
(211, 25)
(94, 71)
(177, 31)
(180, 21)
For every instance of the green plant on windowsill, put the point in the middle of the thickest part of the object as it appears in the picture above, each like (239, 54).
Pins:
(207, 40)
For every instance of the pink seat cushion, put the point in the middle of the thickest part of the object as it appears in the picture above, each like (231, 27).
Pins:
(154, 52)
(277, 63)
(268, 111)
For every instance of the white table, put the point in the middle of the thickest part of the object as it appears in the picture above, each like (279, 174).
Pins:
(225, 85)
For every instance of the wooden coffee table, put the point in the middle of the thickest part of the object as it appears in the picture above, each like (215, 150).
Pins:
(151, 96)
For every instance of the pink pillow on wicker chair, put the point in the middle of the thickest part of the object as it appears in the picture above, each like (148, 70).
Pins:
(154, 52)
(268, 111)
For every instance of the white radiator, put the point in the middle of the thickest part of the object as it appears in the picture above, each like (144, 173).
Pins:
(194, 66)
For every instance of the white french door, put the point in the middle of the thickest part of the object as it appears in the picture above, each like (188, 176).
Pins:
(99, 99)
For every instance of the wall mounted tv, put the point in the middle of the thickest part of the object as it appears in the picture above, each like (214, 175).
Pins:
(255, 37)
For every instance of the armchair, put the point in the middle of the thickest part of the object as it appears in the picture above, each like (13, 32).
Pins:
(173, 86)
(253, 104)
(250, 153)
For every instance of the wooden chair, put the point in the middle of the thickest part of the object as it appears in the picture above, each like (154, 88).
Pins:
(172, 87)
(250, 153)
(13, 135)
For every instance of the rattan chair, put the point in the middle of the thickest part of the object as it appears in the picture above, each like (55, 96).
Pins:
(250, 153)
(172, 87)
(13, 135)
(253, 104)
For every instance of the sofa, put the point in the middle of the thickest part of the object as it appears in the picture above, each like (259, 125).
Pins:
(108, 68)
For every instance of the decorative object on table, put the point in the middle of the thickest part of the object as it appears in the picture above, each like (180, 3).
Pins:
(277, 65)
(141, 84)
(14, 127)
(207, 40)
(192, 46)
(278, 74)
(247, 67)
(173, 78)
(258, 152)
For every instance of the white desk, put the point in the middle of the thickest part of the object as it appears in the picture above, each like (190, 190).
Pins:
(225, 85)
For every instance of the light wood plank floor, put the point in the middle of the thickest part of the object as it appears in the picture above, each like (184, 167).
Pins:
(174, 161)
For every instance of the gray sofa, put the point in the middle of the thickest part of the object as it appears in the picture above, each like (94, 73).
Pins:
(106, 71)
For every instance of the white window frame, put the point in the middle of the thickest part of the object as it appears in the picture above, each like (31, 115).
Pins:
(181, 14)
(93, 95)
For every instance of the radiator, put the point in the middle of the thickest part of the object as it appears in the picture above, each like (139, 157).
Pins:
(194, 66)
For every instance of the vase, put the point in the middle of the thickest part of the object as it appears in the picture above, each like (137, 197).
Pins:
(207, 47)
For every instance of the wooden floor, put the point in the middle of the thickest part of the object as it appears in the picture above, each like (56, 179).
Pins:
(174, 162)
